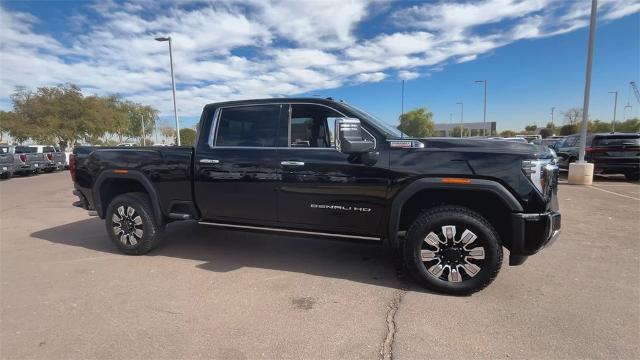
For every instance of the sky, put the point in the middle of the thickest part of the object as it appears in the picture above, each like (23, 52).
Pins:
(532, 54)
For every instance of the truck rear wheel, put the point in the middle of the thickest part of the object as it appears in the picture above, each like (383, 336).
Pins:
(453, 250)
(131, 224)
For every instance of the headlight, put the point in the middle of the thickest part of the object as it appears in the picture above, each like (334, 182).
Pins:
(543, 174)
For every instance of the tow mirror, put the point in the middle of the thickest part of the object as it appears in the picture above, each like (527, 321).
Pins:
(349, 139)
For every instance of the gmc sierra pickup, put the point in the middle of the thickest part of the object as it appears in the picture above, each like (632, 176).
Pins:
(444, 206)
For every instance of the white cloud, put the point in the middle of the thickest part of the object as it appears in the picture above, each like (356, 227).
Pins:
(371, 77)
(408, 75)
(253, 48)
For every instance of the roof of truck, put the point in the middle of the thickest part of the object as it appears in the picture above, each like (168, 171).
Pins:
(314, 100)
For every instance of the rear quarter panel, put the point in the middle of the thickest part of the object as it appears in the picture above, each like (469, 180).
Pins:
(168, 169)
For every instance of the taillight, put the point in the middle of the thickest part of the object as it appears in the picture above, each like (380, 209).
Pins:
(50, 156)
(23, 158)
(588, 150)
(72, 166)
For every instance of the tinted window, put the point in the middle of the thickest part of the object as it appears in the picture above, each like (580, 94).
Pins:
(258, 125)
(4, 149)
(630, 140)
(48, 149)
(26, 150)
(312, 126)
(570, 141)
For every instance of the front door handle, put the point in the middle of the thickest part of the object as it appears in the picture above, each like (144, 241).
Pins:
(209, 161)
(292, 163)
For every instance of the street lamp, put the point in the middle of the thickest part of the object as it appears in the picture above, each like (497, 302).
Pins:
(484, 116)
(553, 109)
(461, 115)
(173, 84)
(615, 107)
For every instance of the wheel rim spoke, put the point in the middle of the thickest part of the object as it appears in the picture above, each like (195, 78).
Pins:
(123, 238)
(476, 253)
(449, 232)
(433, 240)
(471, 269)
(436, 270)
(121, 211)
(132, 239)
(117, 230)
(138, 233)
(428, 255)
(468, 237)
(130, 212)
(454, 275)
(137, 220)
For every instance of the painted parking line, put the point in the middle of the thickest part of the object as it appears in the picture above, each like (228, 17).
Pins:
(614, 193)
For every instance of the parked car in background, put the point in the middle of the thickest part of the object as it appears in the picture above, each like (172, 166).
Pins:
(529, 138)
(127, 144)
(610, 153)
(26, 160)
(54, 159)
(6, 162)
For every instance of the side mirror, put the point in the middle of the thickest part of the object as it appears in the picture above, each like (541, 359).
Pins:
(349, 139)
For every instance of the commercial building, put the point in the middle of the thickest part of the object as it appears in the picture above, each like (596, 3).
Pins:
(469, 129)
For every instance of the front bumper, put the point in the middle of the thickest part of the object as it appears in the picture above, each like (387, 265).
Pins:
(531, 233)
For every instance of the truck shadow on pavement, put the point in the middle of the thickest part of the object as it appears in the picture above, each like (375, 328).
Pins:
(227, 250)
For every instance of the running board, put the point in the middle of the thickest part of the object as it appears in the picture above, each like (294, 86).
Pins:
(289, 231)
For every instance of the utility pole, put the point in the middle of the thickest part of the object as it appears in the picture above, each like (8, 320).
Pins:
(461, 116)
(615, 107)
(144, 143)
(484, 114)
(401, 109)
(553, 108)
(581, 172)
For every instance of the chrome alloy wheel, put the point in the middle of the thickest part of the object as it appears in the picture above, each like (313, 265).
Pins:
(127, 225)
(452, 259)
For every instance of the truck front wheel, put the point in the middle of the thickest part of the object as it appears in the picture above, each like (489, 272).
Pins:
(131, 224)
(453, 250)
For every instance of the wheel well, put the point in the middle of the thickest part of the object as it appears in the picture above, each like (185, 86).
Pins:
(485, 203)
(113, 187)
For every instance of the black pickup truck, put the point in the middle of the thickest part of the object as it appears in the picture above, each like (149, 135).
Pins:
(318, 167)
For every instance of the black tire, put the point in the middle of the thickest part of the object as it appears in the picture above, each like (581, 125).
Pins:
(632, 176)
(454, 254)
(129, 240)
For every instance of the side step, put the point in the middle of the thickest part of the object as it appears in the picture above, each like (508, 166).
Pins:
(178, 216)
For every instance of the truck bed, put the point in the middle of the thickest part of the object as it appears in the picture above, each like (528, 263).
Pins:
(167, 170)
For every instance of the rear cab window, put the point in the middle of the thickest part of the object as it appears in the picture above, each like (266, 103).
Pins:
(26, 150)
(252, 126)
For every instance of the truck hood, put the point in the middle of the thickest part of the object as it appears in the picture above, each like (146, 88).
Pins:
(485, 145)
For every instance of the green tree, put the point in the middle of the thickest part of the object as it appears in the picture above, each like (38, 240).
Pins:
(7, 122)
(456, 132)
(187, 137)
(168, 132)
(508, 133)
(598, 126)
(417, 123)
(546, 132)
(569, 129)
(629, 125)
(573, 116)
(530, 128)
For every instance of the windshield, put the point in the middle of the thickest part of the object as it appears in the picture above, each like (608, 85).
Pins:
(379, 124)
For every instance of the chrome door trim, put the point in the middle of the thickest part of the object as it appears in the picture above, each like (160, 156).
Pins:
(292, 163)
(209, 161)
(289, 231)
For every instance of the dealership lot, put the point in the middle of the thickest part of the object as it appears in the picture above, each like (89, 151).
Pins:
(67, 293)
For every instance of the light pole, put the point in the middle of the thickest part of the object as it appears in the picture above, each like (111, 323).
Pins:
(484, 114)
(581, 172)
(625, 112)
(402, 109)
(144, 142)
(553, 109)
(461, 115)
(615, 108)
(173, 84)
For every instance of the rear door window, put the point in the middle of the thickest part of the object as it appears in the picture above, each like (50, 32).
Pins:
(48, 149)
(252, 126)
(617, 141)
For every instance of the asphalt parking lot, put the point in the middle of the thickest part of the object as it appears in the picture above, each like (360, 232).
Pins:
(66, 292)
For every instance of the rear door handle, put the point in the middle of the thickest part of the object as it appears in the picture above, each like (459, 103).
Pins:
(209, 161)
(292, 163)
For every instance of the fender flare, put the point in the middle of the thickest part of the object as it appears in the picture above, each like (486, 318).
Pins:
(405, 194)
(132, 175)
